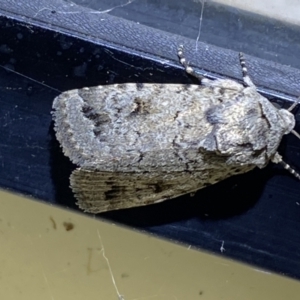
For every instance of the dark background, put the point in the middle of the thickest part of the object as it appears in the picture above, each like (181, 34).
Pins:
(59, 46)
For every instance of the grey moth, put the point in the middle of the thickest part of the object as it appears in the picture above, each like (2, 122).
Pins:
(138, 144)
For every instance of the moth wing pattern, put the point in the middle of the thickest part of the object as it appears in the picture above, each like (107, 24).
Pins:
(130, 126)
(98, 191)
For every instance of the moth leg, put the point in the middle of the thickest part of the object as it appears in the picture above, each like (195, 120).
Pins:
(277, 159)
(289, 169)
(186, 66)
(247, 80)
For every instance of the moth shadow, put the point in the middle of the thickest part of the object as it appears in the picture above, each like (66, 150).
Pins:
(228, 198)
(61, 169)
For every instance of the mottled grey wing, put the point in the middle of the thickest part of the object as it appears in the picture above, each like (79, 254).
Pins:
(98, 191)
(116, 126)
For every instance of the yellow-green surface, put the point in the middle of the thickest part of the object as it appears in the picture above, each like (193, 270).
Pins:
(50, 253)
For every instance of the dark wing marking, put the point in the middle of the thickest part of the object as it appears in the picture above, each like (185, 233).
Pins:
(98, 191)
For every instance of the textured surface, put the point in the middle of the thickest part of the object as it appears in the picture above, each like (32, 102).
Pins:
(142, 143)
(44, 259)
(224, 28)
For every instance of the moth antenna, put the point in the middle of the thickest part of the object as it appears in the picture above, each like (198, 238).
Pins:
(247, 80)
(295, 133)
(186, 66)
(293, 105)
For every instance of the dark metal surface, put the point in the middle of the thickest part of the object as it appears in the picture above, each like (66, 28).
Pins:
(256, 216)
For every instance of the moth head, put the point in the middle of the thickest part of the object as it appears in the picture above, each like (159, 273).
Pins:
(288, 120)
(247, 130)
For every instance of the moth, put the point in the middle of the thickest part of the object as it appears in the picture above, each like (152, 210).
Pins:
(138, 144)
